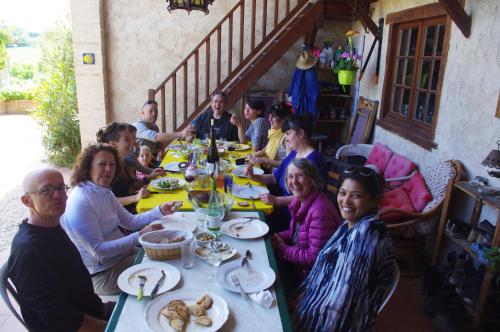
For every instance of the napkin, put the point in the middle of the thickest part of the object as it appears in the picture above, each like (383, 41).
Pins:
(264, 298)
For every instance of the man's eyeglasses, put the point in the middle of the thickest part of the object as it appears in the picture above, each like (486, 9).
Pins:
(49, 190)
(363, 171)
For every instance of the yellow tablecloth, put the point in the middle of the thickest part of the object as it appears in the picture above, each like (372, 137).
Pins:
(158, 197)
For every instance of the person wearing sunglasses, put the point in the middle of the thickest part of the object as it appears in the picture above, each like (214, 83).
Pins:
(54, 288)
(313, 220)
(93, 217)
(346, 285)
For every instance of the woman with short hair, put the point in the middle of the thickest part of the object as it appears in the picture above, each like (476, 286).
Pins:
(93, 216)
(313, 220)
(259, 125)
(347, 283)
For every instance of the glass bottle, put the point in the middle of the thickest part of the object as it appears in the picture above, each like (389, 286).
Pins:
(212, 154)
(215, 209)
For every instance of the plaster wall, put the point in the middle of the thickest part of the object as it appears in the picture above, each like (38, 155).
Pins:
(467, 128)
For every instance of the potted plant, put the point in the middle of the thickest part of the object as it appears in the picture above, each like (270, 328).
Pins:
(493, 256)
(347, 66)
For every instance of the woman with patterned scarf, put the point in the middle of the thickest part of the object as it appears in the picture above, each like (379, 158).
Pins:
(346, 286)
(275, 151)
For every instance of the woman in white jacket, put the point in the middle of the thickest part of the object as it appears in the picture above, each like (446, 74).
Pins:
(93, 215)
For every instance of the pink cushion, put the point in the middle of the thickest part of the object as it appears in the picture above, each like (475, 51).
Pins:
(398, 166)
(379, 156)
(417, 191)
(395, 199)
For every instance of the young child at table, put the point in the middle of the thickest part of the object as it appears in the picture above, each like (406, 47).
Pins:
(145, 157)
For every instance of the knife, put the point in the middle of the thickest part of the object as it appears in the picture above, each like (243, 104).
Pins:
(142, 282)
(248, 255)
(158, 285)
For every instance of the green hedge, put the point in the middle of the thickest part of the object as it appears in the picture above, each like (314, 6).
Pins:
(10, 94)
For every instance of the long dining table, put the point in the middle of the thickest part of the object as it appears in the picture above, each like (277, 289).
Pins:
(160, 196)
(244, 315)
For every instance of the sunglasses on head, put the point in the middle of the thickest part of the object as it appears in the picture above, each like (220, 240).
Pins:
(363, 171)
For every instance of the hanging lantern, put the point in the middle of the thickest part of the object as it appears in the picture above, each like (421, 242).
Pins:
(189, 5)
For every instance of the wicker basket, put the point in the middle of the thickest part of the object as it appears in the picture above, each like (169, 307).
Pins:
(163, 251)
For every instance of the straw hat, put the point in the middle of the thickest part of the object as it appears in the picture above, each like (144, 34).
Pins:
(306, 61)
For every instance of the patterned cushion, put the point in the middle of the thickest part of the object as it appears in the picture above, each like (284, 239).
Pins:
(379, 156)
(437, 177)
(417, 191)
(398, 166)
(397, 199)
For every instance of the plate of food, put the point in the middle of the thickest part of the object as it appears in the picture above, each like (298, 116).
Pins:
(167, 183)
(241, 171)
(129, 280)
(251, 280)
(225, 250)
(187, 310)
(244, 228)
(238, 147)
(249, 191)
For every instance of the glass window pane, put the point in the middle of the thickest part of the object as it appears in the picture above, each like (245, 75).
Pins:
(430, 108)
(409, 73)
(405, 102)
(429, 40)
(396, 100)
(413, 41)
(435, 74)
(403, 46)
(425, 74)
(401, 67)
(419, 112)
(439, 47)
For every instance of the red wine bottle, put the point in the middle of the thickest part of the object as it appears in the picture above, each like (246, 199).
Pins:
(212, 154)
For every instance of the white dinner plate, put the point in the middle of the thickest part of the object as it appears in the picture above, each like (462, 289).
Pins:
(218, 312)
(251, 230)
(128, 281)
(177, 222)
(172, 167)
(252, 280)
(246, 191)
(156, 183)
(202, 253)
(241, 171)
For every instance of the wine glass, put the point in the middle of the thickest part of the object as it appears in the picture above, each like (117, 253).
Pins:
(190, 176)
(214, 259)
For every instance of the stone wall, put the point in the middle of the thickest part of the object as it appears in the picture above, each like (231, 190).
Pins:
(467, 128)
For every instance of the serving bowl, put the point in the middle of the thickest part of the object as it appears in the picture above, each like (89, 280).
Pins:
(203, 239)
(156, 247)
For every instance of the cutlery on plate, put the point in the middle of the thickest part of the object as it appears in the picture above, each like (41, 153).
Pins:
(142, 282)
(243, 225)
(248, 255)
(253, 203)
(236, 282)
(158, 285)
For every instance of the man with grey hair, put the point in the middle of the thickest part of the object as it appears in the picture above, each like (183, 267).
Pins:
(54, 287)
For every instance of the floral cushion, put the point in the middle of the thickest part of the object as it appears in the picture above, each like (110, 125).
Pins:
(395, 199)
(379, 156)
(437, 177)
(417, 191)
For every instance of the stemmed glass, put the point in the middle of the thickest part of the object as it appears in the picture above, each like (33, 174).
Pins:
(214, 259)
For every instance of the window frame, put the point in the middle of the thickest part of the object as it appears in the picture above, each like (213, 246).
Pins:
(413, 130)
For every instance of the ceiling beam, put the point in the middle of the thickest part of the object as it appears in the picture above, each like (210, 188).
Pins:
(458, 15)
(364, 16)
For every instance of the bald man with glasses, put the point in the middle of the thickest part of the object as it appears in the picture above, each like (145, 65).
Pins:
(55, 289)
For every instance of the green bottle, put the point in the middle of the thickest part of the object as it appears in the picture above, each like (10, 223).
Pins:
(215, 208)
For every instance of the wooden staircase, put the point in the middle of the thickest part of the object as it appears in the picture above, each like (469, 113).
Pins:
(233, 62)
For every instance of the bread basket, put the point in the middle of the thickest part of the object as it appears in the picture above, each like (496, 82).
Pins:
(163, 251)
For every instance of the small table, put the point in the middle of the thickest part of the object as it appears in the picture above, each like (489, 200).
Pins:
(158, 197)
(129, 314)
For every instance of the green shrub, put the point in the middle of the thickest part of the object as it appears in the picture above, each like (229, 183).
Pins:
(25, 71)
(16, 94)
(56, 96)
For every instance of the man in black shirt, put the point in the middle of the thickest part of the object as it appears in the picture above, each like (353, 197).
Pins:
(222, 124)
(54, 286)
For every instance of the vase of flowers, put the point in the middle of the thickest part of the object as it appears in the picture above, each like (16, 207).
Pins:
(347, 66)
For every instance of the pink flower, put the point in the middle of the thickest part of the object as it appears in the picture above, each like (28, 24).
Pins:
(345, 55)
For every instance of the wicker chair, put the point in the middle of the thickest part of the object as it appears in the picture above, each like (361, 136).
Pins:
(407, 242)
(353, 150)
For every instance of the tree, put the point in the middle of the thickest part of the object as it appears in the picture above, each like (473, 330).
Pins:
(56, 96)
(4, 39)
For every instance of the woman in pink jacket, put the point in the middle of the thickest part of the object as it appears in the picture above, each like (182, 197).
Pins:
(314, 220)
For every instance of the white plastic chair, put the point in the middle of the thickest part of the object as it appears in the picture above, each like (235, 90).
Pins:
(390, 290)
(6, 287)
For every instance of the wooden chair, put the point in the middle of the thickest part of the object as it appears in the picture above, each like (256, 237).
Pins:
(362, 123)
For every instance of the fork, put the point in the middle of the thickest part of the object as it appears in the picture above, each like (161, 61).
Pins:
(236, 282)
(239, 227)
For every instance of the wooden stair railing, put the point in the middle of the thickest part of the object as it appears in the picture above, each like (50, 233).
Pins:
(253, 57)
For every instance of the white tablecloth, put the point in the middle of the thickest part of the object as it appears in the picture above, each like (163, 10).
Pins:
(243, 315)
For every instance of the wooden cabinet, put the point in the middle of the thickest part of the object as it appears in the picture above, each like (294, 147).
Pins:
(479, 201)
(334, 108)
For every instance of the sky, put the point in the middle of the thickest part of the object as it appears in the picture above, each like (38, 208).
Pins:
(33, 15)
